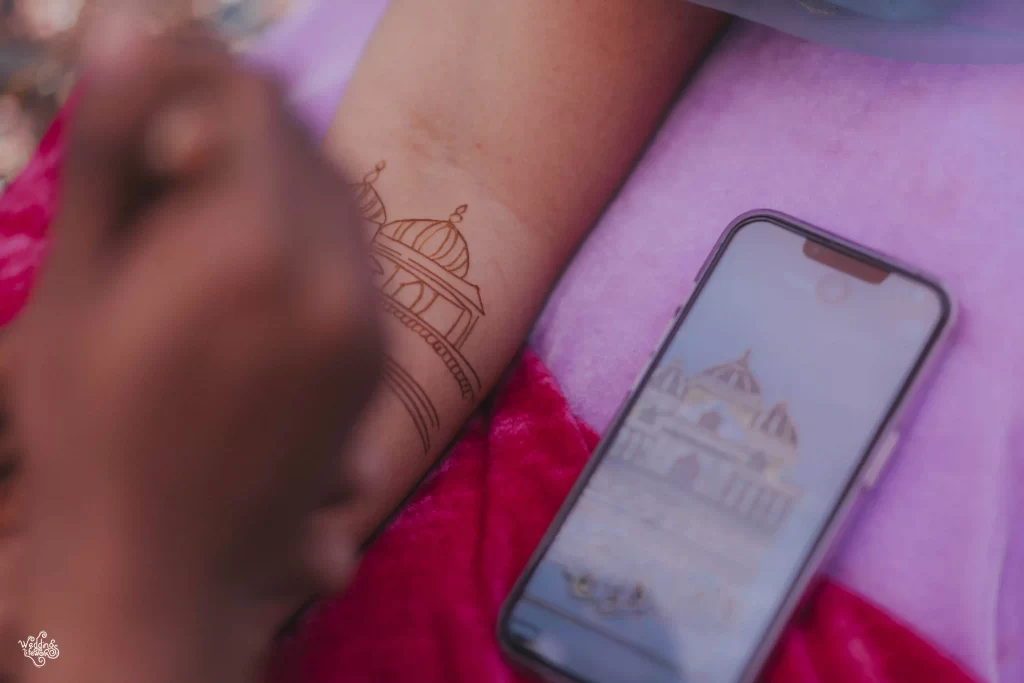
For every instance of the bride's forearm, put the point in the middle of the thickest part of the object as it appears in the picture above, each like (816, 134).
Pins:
(448, 259)
(489, 137)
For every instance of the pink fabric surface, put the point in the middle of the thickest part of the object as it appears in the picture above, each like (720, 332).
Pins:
(924, 162)
(425, 602)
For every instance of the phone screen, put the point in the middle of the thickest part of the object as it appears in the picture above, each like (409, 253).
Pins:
(728, 465)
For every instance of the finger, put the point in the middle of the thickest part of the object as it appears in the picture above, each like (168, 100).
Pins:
(130, 78)
(129, 71)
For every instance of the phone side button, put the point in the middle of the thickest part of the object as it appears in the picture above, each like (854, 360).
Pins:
(880, 459)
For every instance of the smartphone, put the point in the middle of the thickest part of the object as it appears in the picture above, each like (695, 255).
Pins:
(775, 397)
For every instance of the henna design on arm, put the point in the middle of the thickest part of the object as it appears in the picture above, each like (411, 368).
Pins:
(421, 267)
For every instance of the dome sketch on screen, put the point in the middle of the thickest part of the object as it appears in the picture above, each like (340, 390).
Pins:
(701, 459)
(713, 435)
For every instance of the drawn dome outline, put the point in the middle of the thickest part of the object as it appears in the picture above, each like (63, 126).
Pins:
(670, 378)
(420, 268)
(735, 375)
(439, 241)
(368, 201)
(777, 423)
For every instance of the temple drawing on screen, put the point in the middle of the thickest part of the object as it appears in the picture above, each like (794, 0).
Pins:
(701, 460)
(711, 435)
(421, 267)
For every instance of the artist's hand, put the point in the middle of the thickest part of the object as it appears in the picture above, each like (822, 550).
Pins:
(200, 341)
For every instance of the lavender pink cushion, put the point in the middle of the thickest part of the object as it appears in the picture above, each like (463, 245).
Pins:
(409, 614)
(925, 162)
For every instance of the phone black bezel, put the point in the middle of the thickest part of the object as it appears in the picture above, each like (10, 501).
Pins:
(527, 658)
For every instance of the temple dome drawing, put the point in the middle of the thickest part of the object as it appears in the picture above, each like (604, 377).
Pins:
(421, 268)
(670, 378)
(776, 422)
(735, 378)
(368, 201)
(713, 436)
(439, 241)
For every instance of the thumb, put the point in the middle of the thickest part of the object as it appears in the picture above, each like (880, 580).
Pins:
(131, 78)
(109, 115)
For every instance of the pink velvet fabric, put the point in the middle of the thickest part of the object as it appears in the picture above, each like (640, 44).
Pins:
(923, 161)
(424, 604)
(26, 209)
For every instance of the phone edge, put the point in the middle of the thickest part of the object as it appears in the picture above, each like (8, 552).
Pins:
(828, 538)
(537, 666)
(926, 366)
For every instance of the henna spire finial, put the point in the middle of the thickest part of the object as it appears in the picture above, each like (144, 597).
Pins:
(458, 214)
(372, 177)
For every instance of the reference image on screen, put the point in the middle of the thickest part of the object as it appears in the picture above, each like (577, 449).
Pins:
(726, 469)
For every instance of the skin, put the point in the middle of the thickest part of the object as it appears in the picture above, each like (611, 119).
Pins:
(181, 454)
(498, 105)
(530, 113)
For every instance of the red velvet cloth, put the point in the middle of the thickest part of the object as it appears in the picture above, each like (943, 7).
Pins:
(26, 209)
(423, 607)
(424, 604)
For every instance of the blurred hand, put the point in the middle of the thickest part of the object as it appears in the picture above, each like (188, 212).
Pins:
(200, 341)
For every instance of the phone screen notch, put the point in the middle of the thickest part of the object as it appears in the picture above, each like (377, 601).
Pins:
(833, 258)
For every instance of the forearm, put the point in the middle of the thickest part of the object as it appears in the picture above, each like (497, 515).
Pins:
(530, 114)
